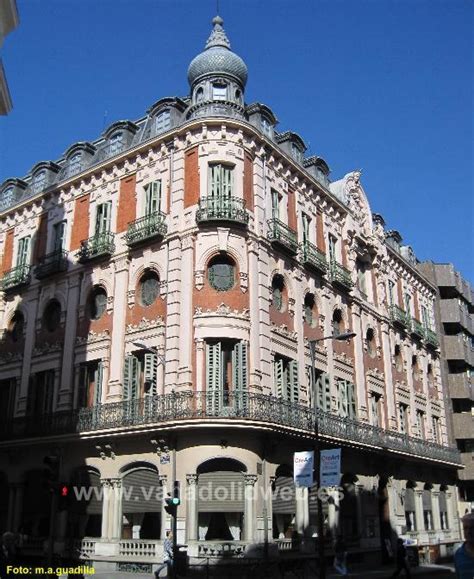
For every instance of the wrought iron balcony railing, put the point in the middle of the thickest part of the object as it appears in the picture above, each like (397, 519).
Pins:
(229, 209)
(313, 257)
(16, 277)
(280, 233)
(417, 328)
(256, 408)
(152, 225)
(340, 275)
(431, 338)
(54, 262)
(97, 246)
(399, 316)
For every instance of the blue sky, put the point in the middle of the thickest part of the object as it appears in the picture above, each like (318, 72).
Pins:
(382, 85)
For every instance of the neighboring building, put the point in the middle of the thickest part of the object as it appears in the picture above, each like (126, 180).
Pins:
(8, 22)
(455, 322)
(160, 289)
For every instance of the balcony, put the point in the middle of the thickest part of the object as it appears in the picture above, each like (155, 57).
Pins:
(148, 227)
(340, 275)
(16, 277)
(453, 313)
(313, 257)
(52, 263)
(431, 338)
(468, 461)
(460, 386)
(97, 246)
(225, 209)
(187, 408)
(280, 234)
(417, 329)
(399, 316)
(462, 424)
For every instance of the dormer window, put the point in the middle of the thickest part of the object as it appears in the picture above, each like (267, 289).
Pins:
(75, 164)
(266, 127)
(296, 153)
(7, 198)
(39, 181)
(163, 121)
(219, 92)
(116, 143)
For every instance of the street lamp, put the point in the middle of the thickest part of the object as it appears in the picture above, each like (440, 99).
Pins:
(312, 349)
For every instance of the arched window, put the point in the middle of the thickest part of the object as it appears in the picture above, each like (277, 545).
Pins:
(278, 286)
(97, 303)
(52, 316)
(149, 288)
(337, 323)
(116, 143)
(16, 326)
(309, 307)
(163, 121)
(370, 342)
(7, 198)
(221, 273)
(414, 367)
(397, 354)
(199, 94)
(75, 163)
(39, 181)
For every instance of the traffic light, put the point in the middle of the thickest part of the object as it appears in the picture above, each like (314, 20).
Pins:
(63, 496)
(51, 472)
(171, 505)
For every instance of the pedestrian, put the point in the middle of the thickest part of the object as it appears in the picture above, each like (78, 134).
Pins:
(8, 554)
(401, 559)
(167, 556)
(464, 556)
(340, 558)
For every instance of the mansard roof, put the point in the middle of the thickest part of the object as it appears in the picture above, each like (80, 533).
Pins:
(293, 137)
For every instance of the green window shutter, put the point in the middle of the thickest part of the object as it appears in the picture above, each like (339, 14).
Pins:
(48, 391)
(83, 385)
(214, 180)
(213, 377)
(103, 217)
(275, 204)
(279, 378)
(226, 190)
(323, 392)
(351, 400)
(293, 382)
(131, 388)
(99, 375)
(150, 372)
(342, 398)
(59, 235)
(306, 221)
(239, 367)
(152, 197)
(23, 256)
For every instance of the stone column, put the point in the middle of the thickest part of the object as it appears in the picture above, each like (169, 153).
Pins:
(200, 365)
(117, 508)
(186, 312)
(253, 288)
(106, 501)
(66, 389)
(114, 393)
(191, 507)
(435, 510)
(11, 506)
(302, 510)
(420, 522)
(249, 513)
(31, 307)
(387, 367)
(359, 363)
(452, 523)
(18, 508)
(164, 515)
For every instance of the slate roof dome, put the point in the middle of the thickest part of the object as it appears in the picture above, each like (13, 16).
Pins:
(217, 58)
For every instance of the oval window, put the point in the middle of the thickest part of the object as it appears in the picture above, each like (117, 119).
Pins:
(278, 285)
(149, 288)
(16, 326)
(97, 303)
(52, 316)
(221, 273)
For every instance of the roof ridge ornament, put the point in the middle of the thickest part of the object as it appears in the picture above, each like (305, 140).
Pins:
(218, 36)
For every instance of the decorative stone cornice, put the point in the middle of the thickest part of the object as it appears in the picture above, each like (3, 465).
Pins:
(145, 324)
(222, 310)
(9, 357)
(47, 348)
(284, 332)
(93, 337)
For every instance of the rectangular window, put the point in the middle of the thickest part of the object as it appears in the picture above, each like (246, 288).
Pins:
(7, 399)
(226, 375)
(220, 181)
(59, 236)
(140, 375)
(435, 428)
(266, 127)
(361, 277)
(90, 384)
(103, 218)
(276, 204)
(403, 418)
(285, 378)
(332, 248)
(321, 391)
(219, 92)
(163, 122)
(391, 290)
(23, 255)
(420, 423)
(152, 197)
(408, 303)
(306, 221)
(41, 391)
(116, 143)
(425, 318)
(346, 402)
(375, 409)
(75, 164)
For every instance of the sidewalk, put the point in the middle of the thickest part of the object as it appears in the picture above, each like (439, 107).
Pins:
(438, 571)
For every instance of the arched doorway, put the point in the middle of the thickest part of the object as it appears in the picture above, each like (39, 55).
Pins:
(142, 501)
(284, 503)
(221, 500)
(85, 513)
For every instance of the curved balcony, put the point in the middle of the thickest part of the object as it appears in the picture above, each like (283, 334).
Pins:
(340, 275)
(254, 409)
(54, 262)
(16, 277)
(97, 246)
(431, 338)
(399, 317)
(224, 209)
(148, 227)
(416, 328)
(280, 234)
(312, 257)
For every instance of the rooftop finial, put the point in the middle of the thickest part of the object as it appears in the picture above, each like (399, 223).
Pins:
(218, 36)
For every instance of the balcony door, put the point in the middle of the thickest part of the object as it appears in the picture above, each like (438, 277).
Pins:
(152, 198)
(220, 187)
(103, 218)
(23, 255)
(226, 376)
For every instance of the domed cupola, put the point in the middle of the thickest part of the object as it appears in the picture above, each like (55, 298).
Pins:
(217, 77)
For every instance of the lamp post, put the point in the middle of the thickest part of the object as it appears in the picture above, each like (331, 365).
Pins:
(312, 349)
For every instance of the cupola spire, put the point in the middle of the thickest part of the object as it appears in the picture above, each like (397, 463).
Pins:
(218, 36)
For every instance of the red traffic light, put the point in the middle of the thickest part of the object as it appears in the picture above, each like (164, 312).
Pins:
(64, 490)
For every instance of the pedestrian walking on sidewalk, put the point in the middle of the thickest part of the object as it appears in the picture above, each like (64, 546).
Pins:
(167, 556)
(464, 556)
(401, 559)
(340, 558)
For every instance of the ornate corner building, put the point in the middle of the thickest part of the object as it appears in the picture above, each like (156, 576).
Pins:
(160, 289)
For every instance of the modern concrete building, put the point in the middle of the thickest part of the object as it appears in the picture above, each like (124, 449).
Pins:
(161, 286)
(8, 22)
(455, 322)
